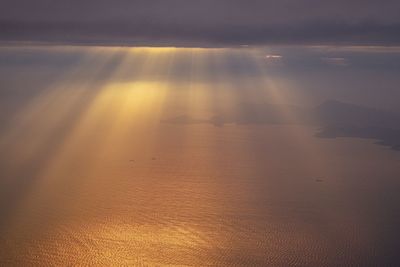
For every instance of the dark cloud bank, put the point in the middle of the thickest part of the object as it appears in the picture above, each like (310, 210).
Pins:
(203, 23)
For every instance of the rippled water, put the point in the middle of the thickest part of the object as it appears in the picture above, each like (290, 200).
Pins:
(96, 170)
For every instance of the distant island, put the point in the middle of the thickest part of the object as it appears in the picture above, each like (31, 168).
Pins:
(333, 118)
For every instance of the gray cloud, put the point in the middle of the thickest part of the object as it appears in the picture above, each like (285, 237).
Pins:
(206, 22)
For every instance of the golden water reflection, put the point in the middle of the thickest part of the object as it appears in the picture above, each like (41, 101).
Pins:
(92, 175)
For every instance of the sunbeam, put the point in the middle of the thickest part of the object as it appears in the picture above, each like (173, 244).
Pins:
(187, 156)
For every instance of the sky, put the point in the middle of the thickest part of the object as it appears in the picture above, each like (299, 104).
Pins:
(200, 132)
(202, 23)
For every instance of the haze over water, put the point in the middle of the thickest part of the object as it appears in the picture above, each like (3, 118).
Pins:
(247, 156)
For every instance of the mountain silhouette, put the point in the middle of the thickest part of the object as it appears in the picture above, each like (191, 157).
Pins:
(333, 118)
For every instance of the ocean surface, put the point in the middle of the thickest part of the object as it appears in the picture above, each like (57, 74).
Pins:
(265, 156)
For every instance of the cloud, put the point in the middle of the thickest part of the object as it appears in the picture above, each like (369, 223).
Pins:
(206, 22)
(273, 56)
(336, 61)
